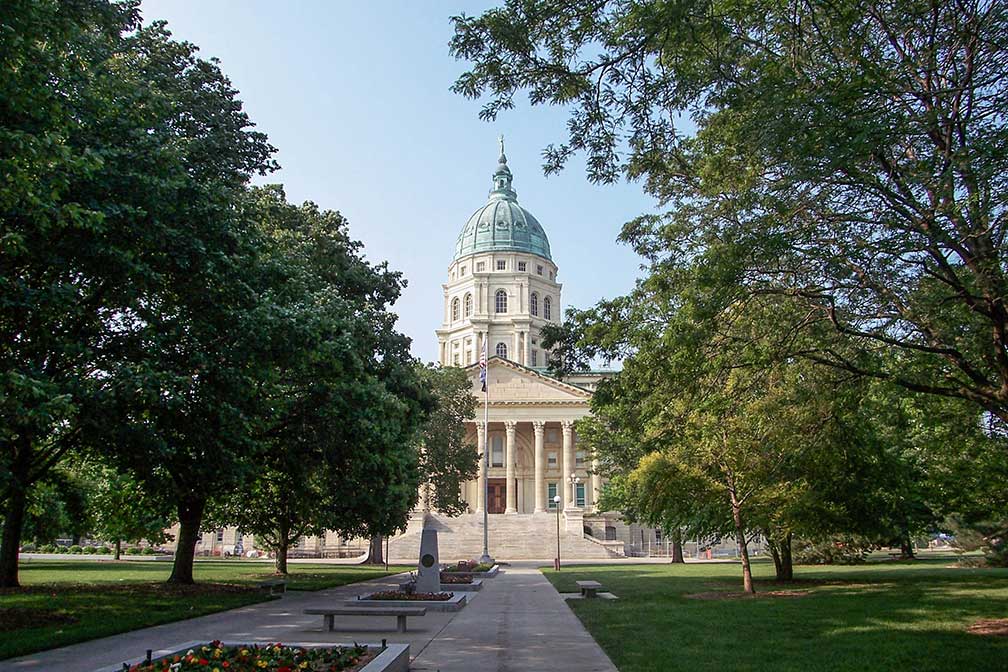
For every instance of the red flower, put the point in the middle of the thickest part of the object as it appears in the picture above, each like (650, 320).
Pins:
(204, 661)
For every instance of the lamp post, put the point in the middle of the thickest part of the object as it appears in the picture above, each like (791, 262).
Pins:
(556, 502)
(574, 480)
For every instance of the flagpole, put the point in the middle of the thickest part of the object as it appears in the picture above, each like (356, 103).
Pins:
(485, 558)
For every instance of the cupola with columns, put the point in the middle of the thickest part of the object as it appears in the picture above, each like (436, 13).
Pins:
(502, 283)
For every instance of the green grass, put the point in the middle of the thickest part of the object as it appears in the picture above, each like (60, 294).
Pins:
(878, 616)
(67, 601)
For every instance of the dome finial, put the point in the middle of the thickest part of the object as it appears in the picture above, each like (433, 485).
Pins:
(502, 176)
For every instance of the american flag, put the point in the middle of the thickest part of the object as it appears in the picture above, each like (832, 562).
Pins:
(483, 365)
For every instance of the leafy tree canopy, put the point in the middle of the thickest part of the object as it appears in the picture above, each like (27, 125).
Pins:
(849, 156)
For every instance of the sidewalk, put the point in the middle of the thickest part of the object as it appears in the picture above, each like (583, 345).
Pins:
(517, 622)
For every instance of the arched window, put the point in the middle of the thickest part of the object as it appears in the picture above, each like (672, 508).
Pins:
(500, 301)
(455, 309)
(547, 308)
(467, 305)
(534, 304)
(502, 350)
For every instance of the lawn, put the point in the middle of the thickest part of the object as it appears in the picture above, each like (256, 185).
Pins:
(877, 616)
(68, 601)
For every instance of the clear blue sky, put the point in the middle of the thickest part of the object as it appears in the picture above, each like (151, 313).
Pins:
(355, 96)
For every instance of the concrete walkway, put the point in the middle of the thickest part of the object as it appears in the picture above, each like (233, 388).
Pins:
(517, 622)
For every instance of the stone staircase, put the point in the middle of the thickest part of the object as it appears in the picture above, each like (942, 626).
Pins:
(511, 537)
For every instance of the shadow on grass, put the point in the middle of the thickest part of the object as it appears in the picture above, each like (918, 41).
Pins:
(912, 616)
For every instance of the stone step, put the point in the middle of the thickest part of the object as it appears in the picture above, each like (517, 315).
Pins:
(511, 537)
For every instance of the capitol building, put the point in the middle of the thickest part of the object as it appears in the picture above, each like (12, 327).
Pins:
(502, 288)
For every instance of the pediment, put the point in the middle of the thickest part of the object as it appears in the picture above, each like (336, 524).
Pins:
(511, 383)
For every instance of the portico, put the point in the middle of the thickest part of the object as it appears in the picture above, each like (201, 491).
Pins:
(531, 442)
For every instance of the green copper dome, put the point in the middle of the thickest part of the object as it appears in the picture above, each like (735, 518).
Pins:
(502, 224)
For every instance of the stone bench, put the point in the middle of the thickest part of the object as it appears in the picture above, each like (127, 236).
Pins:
(273, 586)
(328, 615)
(589, 588)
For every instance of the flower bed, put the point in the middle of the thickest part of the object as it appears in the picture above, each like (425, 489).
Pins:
(412, 597)
(468, 567)
(261, 658)
(456, 577)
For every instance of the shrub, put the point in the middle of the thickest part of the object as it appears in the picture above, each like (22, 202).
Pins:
(90, 550)
(104, 550)
(62, 549)
(75, 550)
(46, 548)
(837, 550)
(132, 550)
(28, 548)
(989, 536)
(147, 550)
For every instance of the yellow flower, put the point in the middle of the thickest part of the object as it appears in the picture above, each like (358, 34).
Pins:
(304, 664)
(261, 663)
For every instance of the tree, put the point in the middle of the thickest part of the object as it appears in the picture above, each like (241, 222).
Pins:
(125, 153)
(446, 460)
(853, 152)
(61, 269)
(341, 404)
(122, 509)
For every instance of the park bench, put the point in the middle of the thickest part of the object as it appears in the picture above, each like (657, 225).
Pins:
(589, 588)
(273, 586)
(399, 612)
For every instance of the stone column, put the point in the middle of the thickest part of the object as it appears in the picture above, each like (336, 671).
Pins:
(539, 428)
(568, 462)
(514, 356)
(481, 443)
(509, 463)
(596, 483)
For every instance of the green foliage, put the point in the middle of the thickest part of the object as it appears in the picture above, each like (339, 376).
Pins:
(832, 550)
(340, 401)
(446, 460)
(846, 156)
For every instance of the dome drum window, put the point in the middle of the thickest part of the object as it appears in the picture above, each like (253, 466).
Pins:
(534, 304)
(455, 309)
(502, 350)
(500, 301)
(501, 265)
(467, 306)
(481, 267)
(521, 267)
(547, 308)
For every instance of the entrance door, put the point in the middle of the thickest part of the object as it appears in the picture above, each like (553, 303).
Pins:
(496, 494)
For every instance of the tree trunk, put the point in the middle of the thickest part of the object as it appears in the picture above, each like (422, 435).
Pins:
(785, 571)
(775, 554)
(281, 555)
(677, 554)
(118, 549)
(375, 553)
(190, 514)
(743, 547)
(12, 527)
(906, 547)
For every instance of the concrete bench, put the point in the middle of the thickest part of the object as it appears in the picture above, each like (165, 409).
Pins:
(589, 588)
(273, 586)
(399, 612)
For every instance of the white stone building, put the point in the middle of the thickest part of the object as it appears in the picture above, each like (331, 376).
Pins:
(502, 289)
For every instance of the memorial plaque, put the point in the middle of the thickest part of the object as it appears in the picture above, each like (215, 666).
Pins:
(429, 568)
